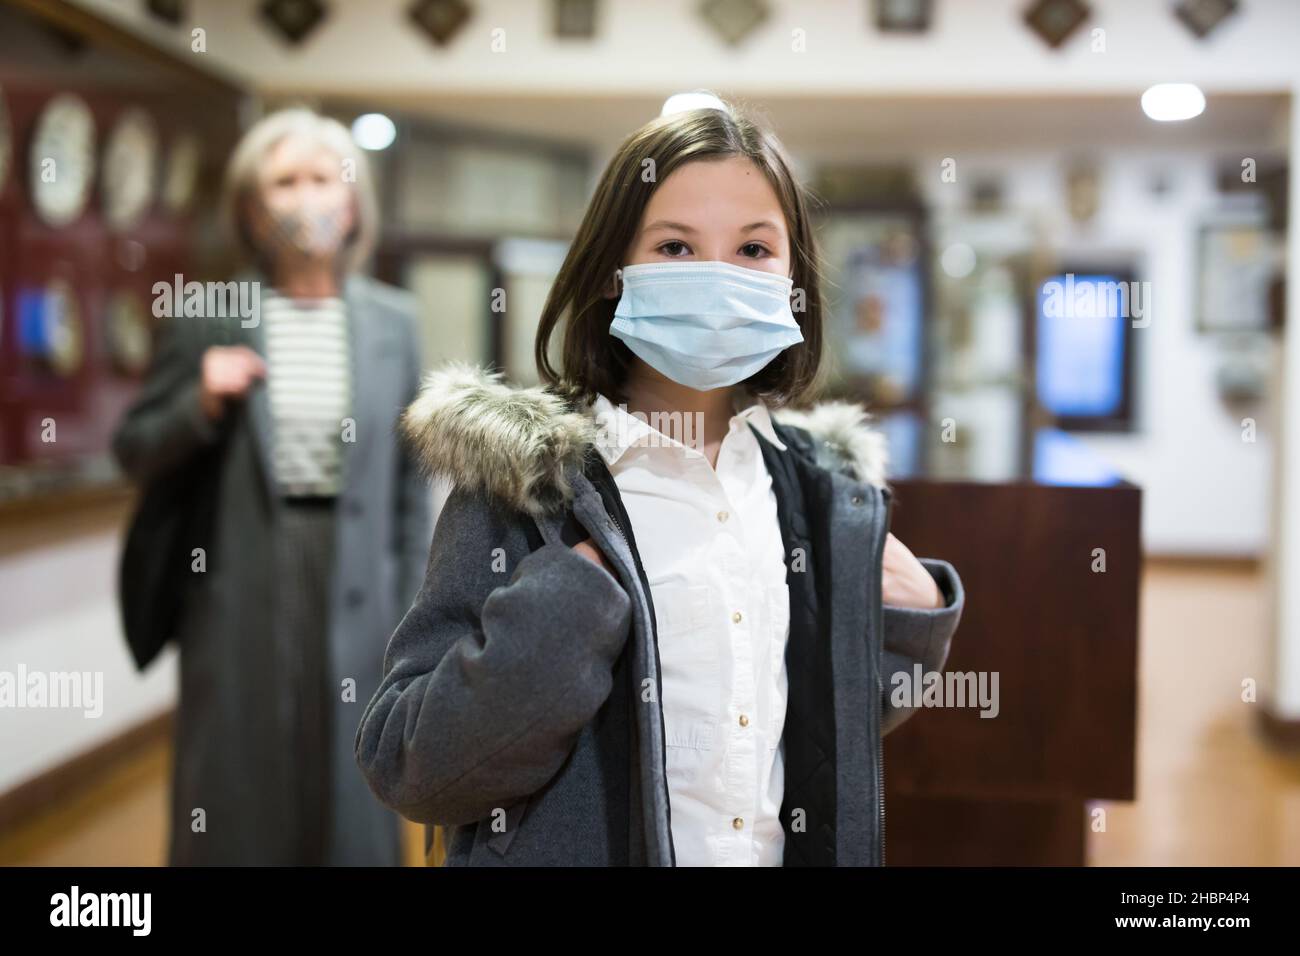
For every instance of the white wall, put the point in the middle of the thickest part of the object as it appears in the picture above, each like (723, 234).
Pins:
(1283, 688)
(60, 614)
(368, 46)
(1205, 490)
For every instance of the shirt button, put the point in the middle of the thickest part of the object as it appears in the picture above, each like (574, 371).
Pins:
(744, 720)
(722, 516)
(736, 617)
(738, 823)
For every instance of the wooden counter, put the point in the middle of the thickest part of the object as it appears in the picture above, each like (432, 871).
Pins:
(967, 790)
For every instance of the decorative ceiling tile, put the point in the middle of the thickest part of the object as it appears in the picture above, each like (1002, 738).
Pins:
(733, 20)
(1202, 16)
(169, 11)
(1055, 20)
(903, 16)
(294, 19)
(440, 20)
(575, 19)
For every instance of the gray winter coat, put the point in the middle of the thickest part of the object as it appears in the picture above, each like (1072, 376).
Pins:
(234, 750)
(520, 701)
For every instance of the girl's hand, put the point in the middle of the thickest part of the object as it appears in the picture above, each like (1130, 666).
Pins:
(905, 581)
(587, 548)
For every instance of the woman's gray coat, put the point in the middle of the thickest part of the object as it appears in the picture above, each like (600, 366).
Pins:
(234, 759)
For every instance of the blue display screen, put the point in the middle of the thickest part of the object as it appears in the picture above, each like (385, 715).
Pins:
(1081, 344)
(1060, 459)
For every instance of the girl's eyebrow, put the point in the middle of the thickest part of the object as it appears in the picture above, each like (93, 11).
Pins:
(682, 227)
(666, 224)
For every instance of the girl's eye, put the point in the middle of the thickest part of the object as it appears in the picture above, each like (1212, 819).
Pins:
(753, 250)
(674, 248)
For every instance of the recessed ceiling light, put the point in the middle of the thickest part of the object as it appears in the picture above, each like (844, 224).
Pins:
(699, 100)
(1168, 102)
(373, 131)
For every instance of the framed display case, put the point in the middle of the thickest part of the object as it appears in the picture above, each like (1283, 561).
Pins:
(1237, 266)
(877, 298)
(115, 153)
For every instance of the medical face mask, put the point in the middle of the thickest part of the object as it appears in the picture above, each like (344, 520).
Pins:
(704, 325)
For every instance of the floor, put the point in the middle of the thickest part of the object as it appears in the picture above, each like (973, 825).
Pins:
(1209, 791)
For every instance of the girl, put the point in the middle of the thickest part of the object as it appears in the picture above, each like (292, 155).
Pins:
(658, 624)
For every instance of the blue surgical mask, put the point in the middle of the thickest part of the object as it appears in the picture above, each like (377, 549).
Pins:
(704, 325)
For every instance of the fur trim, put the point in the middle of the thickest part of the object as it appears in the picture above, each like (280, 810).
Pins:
(840, 429)
(485, 436)
(517, 444)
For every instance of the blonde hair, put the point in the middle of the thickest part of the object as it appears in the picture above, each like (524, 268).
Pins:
(248, 156)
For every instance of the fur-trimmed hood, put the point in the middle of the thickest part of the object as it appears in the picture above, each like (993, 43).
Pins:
(518, 443)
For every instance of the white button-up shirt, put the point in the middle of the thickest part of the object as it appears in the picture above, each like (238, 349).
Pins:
(711, 547)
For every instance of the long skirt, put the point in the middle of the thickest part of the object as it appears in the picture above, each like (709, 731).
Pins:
(304, 562)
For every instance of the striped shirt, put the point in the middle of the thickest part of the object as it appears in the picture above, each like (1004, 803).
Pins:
(309, 384)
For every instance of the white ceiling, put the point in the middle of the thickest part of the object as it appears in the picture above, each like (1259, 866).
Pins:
(830, 128)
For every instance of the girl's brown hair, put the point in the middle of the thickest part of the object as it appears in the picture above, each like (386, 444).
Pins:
(592, 360)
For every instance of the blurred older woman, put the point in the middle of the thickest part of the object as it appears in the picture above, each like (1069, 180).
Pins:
(320, 524)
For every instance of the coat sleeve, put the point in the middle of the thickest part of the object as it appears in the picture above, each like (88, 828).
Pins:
(492, 674)
(166, 424)
(414, 521)
(914, 635)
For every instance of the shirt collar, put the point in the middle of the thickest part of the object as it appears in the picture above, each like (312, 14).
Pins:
(617, 429)
(755, 411)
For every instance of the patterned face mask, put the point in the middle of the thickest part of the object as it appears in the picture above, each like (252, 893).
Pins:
(316, 231)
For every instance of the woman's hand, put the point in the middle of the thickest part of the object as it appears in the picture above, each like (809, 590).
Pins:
(905, 582)
(229, 371)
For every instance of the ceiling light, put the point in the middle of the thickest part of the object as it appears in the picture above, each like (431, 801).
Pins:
(373, 131)
(1167, 102)
(699, 100)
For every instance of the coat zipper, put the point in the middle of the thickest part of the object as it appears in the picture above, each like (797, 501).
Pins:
(619, 528)
(880, 785)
